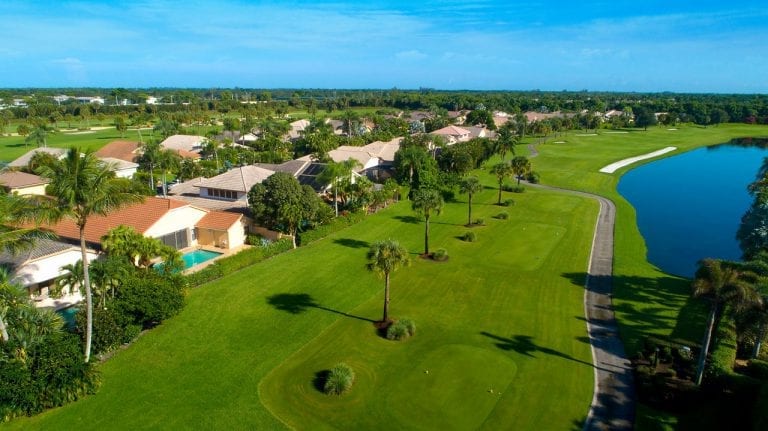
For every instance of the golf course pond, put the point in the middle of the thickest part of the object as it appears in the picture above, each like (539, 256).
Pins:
(689, 206)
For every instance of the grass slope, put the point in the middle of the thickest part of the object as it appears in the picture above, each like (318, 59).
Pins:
(498, 315)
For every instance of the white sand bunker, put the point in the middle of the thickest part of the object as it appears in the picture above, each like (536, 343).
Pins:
(586, 134)
(79, 133)
(613, 167)
(672, 129)
(559, 142)
(618, 132)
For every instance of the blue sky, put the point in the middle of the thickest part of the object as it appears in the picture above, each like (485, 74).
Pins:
(646, 45)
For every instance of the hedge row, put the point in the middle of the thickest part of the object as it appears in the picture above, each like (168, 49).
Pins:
(337, 224)
(237, 262)
(723, 354)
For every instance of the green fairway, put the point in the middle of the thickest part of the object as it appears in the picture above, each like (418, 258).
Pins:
(11, 147)
(498, 316)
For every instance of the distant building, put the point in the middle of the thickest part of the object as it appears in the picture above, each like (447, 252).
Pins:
(22, 183)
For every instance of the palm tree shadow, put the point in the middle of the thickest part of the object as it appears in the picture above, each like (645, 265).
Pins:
(352, 243)
(525, 345)
(408, 219)
(297, 303)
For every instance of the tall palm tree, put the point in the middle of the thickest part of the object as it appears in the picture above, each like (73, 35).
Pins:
(721, 282)
(501, 170)
(470, 186)
(506, 140)
(520, 166)
(384, 258)
(168, 160)
(150, 155)
(334, 173)
(83, 186)
(426, 202)
(38, 135)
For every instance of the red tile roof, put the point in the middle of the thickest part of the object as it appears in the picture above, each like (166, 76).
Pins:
(218, 220)
(123, 150)
(138, 216)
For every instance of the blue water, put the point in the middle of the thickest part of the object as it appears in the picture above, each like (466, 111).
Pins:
(689, 206)
(68, 314)
(197, 257)
(193, 258)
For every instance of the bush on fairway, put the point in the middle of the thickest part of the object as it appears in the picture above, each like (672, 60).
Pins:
(339, 380)
(533, 177)
(479, 222)
(502, 215)
(401, 329)
(508, 203)
(514, 188)
(470, 237)
(440, 255)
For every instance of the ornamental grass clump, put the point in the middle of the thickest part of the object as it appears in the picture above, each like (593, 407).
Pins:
(339, 380)
(401, 330)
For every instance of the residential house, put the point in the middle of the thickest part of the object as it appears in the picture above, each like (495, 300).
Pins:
(23, 161)
(129, 151)
(453, 134)
(479, 132)
(122, 168)
(297, 127)
(373, 159)
(188, 146)
(38, 268)
(22, 183)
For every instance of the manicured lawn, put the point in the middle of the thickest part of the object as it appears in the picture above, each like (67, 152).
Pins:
(11, 147)
(501, 314)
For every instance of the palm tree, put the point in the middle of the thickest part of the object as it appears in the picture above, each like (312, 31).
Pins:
(506, 140)
(520, 166)
(335, 172)
(425, 202)
(168, 160)
(150, 154)
(38, 135)
(722, 282)
(470, 186)
(385, 257)
(83, 186)
(501, 170)
(72, 277)
(17, 211)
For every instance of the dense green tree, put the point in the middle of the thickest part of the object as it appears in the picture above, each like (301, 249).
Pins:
(426, 202)
(82, 186)
(338, 175)
(281, 203)
(644, 118)
(385, 257)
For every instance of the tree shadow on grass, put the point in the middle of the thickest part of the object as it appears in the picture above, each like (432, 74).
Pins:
(320, 378)
(408, 219)
(297, 303)
(524, 345)
(352, 243)
(643, 306)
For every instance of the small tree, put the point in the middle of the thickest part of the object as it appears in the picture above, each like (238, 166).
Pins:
(520, 166)
(501, 170)
(426, 202)
(385, 257)
(470, 186)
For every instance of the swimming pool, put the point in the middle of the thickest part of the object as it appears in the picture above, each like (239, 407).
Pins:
(193, 258)
(68, 314)
(197, 257)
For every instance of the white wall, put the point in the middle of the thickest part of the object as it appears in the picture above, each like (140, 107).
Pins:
(48, 268)
(175, 220)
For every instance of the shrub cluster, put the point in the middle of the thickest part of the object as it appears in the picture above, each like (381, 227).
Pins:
(508, 202)
(401, 329)
(479, 222)
(51, 374)
(339, 379)
(470, 237)
(502, 215)
(440, 255)
(514, 188)
(533, 177)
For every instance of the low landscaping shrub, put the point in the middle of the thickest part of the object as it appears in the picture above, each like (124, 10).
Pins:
(514, 188)
(757, 369)
(502, 215)
(723, 353)
(401, 330)
(479, 222)
(470, 237)
(508, 202)
(533, 177)
(342, 221)
(440, 254)
(339, 379)
(237, 262)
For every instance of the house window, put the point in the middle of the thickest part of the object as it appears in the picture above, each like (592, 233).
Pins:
(177, 240)
(222, 194)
